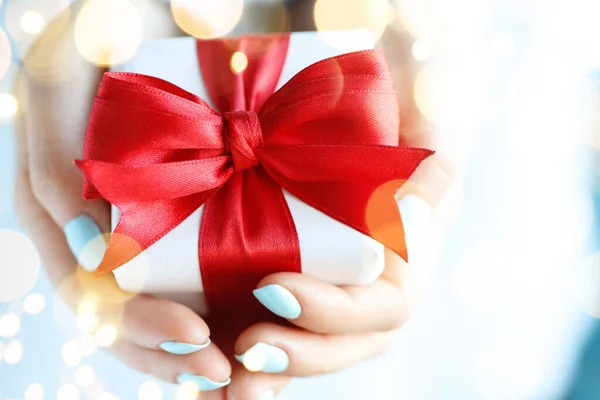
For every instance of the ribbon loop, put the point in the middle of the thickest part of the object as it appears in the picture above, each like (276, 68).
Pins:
(243, 134)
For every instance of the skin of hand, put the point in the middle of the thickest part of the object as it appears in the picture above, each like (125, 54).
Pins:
(328, 329)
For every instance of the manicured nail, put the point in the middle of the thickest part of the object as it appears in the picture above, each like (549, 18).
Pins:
(265, 358)
(85, 241)
(416, 218)
(181, 348)
(279, 301)
(268, 395)
(203, 383)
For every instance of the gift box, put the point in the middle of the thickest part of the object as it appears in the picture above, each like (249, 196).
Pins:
(264, 216)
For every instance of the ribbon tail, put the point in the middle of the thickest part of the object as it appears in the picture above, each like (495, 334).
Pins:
(143, 224)
(354, 184)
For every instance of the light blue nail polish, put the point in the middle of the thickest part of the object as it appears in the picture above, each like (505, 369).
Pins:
(85, 241)
(279, 301)
(180, 348)
(265, 358)
(203, 383)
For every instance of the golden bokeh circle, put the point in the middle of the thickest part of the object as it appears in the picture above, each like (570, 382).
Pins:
(32, 22)
(187, 390)
(106, 335)
(207, 19)
(255, 359)
(8, 108)
(336, 15)
(108, 32)
(382, 206)
(239, 62)
(36, 20)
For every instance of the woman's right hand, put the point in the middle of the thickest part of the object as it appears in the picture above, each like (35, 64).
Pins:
(155, 336)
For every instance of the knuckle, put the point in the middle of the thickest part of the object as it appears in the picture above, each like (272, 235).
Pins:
(45, 181)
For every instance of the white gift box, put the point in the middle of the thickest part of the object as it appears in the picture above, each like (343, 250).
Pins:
(330, 251)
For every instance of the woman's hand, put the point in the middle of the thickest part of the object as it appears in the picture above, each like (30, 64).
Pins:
(159, 337)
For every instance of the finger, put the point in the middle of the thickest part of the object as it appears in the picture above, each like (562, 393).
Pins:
(274, 348)
(198, 370)
(324, 308)
(247, 385)
(163, 324)
(174, 323)
(55, 119)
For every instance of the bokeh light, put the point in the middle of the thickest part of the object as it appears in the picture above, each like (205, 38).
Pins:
(421, 50)
(87, 345)
(27, 19)
(107, 396)
(416, 17)
(35, 303)
(21, 263)
(5, 53)
(187, 390)
(9, 325)
(67, 392)
(335, 15)
(32, 22)
(87, 304)
(447, 93)
(108, 32)
(239, 62)
(85, 376)
(71, 353)
(353, 14)
(206, 19)
(8, 106)
(13, 353)
(150, 390)
(106, 335)
(255, 359)
(35, 391)
(88, 322)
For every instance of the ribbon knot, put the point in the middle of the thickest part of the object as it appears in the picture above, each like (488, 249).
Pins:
(242, 135)
(159, 153)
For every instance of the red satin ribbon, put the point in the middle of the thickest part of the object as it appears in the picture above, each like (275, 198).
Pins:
(328, 136)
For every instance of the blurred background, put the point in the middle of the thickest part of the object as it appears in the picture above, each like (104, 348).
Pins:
(510, 92)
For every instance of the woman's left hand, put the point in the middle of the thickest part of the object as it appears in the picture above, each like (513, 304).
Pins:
(334, 327)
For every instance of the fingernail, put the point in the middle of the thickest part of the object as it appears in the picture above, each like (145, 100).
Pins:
(268, 395)
(181, 348)
(85, 241)
(265, 358)
(279, 301)
(416, 217)
(202, 382)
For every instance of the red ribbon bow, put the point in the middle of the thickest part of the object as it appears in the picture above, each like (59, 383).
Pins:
(328, 136)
